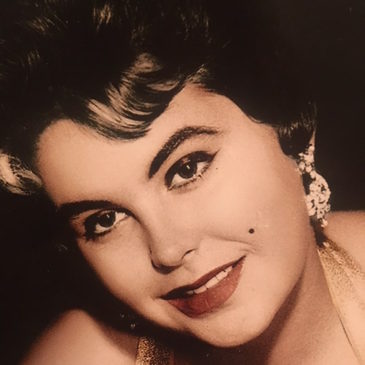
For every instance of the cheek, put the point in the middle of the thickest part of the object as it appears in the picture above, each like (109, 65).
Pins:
(266, 194)
(118, 264)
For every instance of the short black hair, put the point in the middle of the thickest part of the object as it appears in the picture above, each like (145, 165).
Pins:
(115, 65)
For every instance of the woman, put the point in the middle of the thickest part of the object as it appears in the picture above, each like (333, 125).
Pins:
(177, 168)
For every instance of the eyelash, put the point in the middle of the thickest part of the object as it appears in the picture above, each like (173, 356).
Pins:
(192, 162)
(91, 222)
(193, 159)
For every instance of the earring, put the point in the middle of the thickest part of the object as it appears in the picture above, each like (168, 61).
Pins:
(318, 194)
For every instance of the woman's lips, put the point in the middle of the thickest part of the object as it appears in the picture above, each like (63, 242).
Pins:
(207, 293)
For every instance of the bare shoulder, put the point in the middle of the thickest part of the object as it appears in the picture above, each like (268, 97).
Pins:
(347, 229)
(78, 339)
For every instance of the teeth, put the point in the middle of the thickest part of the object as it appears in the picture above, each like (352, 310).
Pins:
(213, 281)
(202, 289)
(221, 275)
(228, 269)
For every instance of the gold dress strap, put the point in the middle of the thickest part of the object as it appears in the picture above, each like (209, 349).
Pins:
(346, 282)
(150, 352)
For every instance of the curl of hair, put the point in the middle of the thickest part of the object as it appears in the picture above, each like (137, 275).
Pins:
(17, 178)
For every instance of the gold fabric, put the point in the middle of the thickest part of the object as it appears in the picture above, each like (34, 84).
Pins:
(346, 282)
(150, 352)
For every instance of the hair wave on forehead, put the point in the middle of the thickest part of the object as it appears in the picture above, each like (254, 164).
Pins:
(127, 114)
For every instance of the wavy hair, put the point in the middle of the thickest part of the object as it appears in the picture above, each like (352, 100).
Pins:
(115, 65)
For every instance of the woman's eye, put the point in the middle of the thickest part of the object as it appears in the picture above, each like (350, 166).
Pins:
(188, 169)
(103, 222)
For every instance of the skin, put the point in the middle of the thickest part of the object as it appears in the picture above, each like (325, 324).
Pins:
(173, 233)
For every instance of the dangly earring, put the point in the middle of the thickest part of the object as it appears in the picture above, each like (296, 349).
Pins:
(318, 194)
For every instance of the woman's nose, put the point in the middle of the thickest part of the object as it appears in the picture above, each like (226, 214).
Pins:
(170, 258)
(171, 244)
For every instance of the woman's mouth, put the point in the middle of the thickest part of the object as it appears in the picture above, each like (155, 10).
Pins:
(207, 293)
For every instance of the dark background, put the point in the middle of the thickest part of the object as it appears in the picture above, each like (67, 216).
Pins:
(38, 281)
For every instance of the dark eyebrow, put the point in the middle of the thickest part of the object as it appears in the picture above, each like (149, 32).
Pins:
(175, 141)
(68, 210)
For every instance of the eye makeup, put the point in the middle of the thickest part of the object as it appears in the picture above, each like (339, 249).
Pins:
(178, 138)
(103, 222)
(188, 169)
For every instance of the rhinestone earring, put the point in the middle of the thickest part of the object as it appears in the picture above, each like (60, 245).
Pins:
(318, 194)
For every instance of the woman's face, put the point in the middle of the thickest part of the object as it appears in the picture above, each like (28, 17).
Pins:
(200, 226)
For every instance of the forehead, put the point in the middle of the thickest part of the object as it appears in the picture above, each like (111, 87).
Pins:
(71, 157)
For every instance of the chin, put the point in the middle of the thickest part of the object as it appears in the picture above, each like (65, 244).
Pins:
(230, 340)
(235, 332)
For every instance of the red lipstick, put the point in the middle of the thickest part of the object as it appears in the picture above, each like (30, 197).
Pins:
(208, 292)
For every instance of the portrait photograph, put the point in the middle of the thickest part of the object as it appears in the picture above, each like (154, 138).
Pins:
(182, 182)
